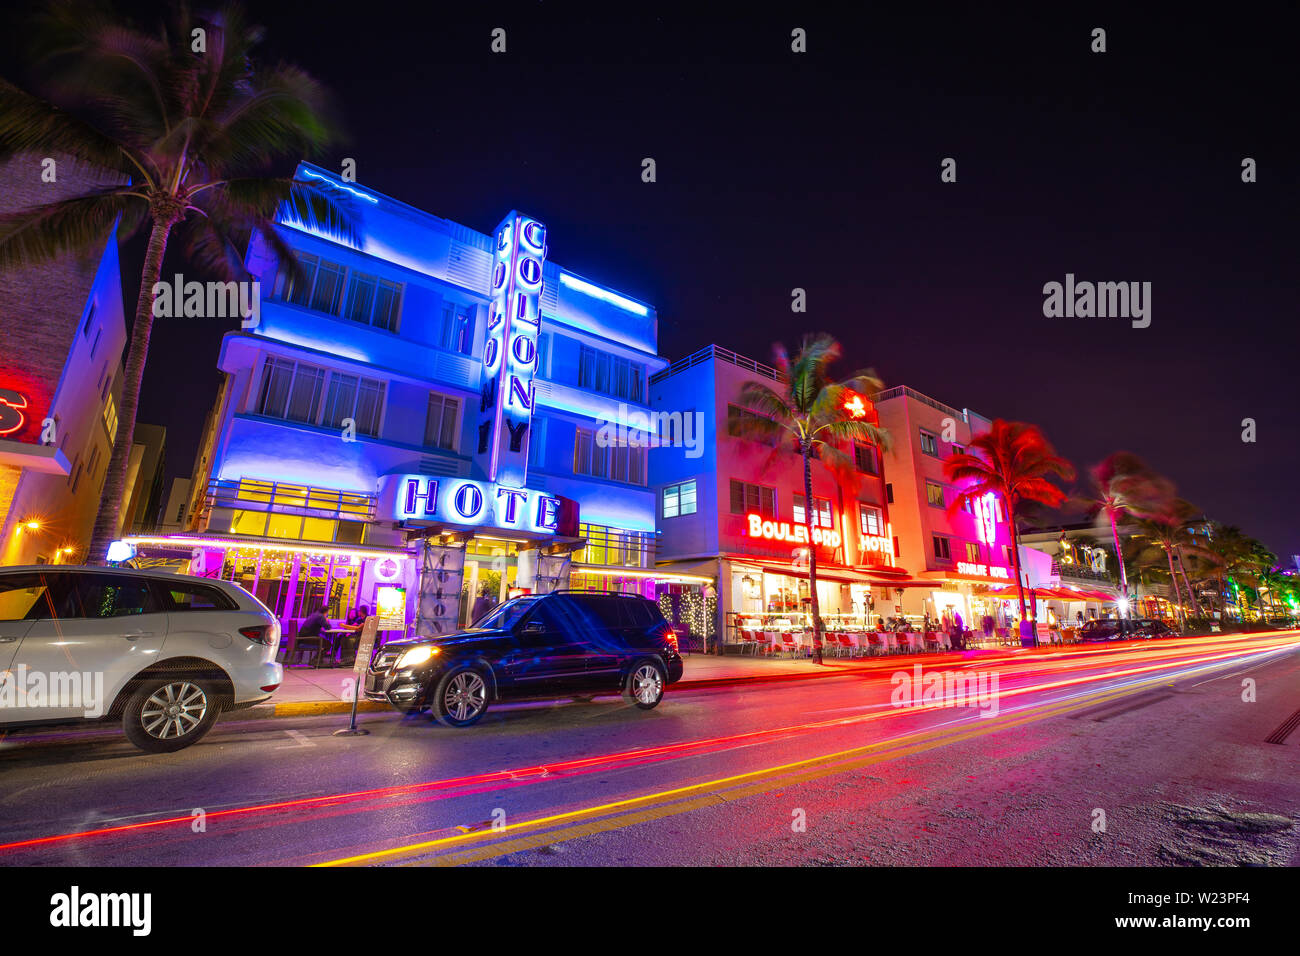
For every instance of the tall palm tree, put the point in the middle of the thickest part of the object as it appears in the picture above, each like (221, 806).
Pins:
(1014, 462)
(823, 415)
(1125, 486)
(1163, 533)
(1229, 549)
(192, 138)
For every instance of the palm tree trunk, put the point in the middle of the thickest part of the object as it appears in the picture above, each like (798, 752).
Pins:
(812, 554)
(1182, 619)
(1119, 559)
(1187, 584)
(1015, 561)
(108, 519)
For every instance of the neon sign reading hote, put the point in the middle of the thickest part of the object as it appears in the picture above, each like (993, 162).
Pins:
(784, 531)
(463, 501)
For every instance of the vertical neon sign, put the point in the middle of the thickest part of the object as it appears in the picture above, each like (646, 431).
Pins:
(510, 350)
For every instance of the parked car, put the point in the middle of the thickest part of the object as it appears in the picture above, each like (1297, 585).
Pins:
(1150, 627)
(164, 653)
(1106, 629)
(563, 644)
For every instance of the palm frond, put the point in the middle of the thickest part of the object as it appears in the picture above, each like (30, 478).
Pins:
(66, 226)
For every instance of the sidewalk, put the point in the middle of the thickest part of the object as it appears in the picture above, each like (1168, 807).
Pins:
(307, 691)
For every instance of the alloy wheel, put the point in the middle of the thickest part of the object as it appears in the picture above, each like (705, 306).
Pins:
(647, 684)
(466, 695)
(173, 710)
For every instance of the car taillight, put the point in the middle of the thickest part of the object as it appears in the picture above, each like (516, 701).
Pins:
(670, 636)
(259, 635)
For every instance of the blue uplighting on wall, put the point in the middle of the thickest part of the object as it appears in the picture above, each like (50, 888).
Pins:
(596, 292)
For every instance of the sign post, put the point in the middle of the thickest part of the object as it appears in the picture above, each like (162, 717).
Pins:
(364, 650)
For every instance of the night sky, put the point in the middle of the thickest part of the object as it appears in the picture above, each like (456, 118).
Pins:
(821, 170)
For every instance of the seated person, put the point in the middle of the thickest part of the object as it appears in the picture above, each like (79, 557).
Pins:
(312, 627)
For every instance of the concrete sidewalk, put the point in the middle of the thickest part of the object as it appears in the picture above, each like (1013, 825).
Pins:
(309, 691)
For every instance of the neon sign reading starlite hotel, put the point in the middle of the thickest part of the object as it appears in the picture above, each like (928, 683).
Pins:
(510, 350)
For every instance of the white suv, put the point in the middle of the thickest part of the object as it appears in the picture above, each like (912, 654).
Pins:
(164, 652)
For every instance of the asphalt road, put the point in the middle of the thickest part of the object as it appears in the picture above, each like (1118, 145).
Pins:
(1133, 754)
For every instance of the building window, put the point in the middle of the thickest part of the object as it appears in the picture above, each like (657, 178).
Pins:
(333, 288)
(293, 391)
(328, 290)
(821, 512)
(1011, 559)
(889, 493)
(972, 552)
(897, 551)
(930, 444)
(456, 334)
(864, 458)
(679, 499)
(610, 374)
(941, 548)
(624, 463)
(537, 443)
(440, 421)
(738, 420)
(90, 319)
(360, 399)
(958, 450)
(869, 520)
(752, 499)
(934, 494)
(110, 419)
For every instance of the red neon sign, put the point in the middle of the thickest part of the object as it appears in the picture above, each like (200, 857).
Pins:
(11, 418)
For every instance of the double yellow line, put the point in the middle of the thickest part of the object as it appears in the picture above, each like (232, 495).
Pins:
(547, 830)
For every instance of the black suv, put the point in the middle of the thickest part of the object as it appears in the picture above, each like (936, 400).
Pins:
(567, 643)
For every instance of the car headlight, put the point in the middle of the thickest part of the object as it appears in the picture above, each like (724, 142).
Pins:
(416, 656)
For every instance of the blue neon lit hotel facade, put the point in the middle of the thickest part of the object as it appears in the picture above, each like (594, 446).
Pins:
(431, 384)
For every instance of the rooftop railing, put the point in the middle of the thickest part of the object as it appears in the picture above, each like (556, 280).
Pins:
(716, 352)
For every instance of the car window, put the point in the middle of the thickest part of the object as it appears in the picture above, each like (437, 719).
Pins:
(103, 596)
(578, 619)
(183, 596)
(506, 615)
(23, 597)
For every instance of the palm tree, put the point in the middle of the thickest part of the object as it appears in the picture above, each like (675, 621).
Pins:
(1229, 549)
(1014, 462)
(190, 140)
(1162, 534)
(1125, 486)
(821, 414)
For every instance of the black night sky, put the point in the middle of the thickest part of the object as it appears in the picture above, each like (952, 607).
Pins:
(821, 170)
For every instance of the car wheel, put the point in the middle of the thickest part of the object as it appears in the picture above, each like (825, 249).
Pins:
(645, 684)
(167, 714)
(460, 698)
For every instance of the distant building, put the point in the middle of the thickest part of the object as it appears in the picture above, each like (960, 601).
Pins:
(732, 509)
(62, 333)
(175, 512)
(144, 479)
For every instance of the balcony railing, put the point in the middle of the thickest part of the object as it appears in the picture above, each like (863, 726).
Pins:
(716, 352)
(1079, 572)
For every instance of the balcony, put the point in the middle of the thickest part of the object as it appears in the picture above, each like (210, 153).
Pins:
(1079, 572)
